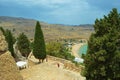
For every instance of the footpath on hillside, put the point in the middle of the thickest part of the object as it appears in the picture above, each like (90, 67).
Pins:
(48, 71)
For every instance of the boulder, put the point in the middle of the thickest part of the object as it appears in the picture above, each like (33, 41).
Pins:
(3, 43)
(8, 68)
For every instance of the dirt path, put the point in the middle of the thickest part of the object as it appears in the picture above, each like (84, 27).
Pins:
(49, 71)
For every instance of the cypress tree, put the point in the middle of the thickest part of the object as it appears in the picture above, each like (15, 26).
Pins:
(39, 48)
(23, 44)
(10, 40)
(3, 31)
(102, 61)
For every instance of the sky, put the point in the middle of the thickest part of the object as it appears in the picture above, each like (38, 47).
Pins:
(69, 12)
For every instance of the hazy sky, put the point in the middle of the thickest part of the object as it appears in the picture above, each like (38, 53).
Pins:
(72, 12)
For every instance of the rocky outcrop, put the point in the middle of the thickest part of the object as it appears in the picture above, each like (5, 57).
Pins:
(3, 43)
(8, 68)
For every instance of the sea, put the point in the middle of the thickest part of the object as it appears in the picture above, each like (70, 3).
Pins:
(83, 49)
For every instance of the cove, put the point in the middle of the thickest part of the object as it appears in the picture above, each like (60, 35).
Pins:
(83, 49)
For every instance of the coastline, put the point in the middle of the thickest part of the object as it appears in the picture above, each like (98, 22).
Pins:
(75, 49)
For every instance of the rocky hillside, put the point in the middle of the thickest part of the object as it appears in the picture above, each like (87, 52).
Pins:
(51, 31)
(8, 68)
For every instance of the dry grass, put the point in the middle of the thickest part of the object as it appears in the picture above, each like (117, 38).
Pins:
(51, 31)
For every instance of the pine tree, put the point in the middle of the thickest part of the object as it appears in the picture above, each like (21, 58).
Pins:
(39, 49)
(23, 44)
(102, 61)
(10, 40)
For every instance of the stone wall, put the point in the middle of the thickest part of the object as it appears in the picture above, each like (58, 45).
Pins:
(67, 64)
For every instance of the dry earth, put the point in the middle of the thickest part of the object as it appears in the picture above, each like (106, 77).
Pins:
(49, 71)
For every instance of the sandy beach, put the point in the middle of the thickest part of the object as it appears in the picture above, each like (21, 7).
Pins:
(75, 49)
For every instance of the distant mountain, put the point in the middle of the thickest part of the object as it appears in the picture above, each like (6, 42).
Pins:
(86, 25)
(7, 18)
(19, 20)
(51, 31)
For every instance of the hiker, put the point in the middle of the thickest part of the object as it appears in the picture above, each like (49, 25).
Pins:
(58, 65)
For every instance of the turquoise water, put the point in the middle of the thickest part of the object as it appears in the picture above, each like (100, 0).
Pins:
(83, 49)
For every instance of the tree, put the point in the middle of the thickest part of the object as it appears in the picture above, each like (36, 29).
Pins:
(3, 31)
(23, 45)
(53, 48)
(39, 48)
(10, 40)
(102, 61)
(57, 49)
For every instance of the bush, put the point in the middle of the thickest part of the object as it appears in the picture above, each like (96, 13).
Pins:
(58, 50)
(23, 44)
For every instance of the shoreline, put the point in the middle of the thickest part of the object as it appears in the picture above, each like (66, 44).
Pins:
(75, 49)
